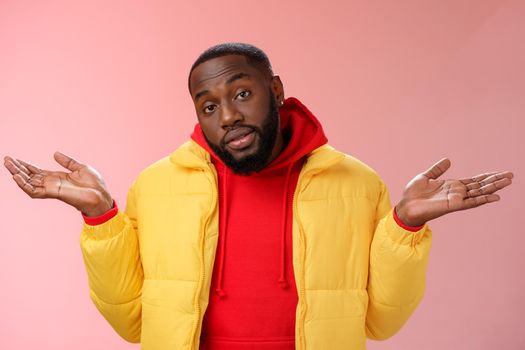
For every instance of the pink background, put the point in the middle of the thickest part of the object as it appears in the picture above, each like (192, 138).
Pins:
(398, 84)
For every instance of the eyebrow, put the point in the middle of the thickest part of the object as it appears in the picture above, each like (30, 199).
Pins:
(236, 77)
(230, 80)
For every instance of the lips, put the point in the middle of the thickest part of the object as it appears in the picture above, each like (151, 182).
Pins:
(237, 134)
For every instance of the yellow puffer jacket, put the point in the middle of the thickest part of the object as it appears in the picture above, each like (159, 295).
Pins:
(358, 273)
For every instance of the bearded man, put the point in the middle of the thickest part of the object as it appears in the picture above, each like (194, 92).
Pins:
(255, 233)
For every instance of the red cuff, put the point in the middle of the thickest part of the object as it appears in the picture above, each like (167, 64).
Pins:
(406, 227)
(97, 220)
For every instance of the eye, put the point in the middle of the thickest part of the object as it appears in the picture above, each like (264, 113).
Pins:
(209, 109)
(243, 94)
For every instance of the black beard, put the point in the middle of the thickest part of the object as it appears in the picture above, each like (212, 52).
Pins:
(267, 137)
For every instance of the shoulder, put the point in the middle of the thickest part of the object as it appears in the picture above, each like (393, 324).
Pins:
(348, 176)
(155, 178)
(357, 165)
(349, 166)
(172, 172)
(157, 168)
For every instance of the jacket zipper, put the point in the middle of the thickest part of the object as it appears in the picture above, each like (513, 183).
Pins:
(302, 255)
(203, 270)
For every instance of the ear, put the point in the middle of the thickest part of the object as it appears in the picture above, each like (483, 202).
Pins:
(278, 90)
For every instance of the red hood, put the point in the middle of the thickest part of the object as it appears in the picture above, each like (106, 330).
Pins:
(304, 134)
(298, 125)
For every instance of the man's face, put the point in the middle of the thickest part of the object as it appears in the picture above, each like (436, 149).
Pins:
(237, 110)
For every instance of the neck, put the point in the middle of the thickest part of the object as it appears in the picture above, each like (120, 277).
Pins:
(280, 144)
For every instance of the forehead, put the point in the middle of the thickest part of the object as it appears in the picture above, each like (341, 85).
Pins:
(216, 70)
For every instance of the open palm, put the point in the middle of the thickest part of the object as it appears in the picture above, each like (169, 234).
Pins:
(426, 197)
(81, 187)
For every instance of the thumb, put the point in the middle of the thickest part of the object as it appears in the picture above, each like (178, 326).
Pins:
(67, 162)
(437, 169)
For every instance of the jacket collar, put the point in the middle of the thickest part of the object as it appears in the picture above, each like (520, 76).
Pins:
(191, 155)
(320, 159)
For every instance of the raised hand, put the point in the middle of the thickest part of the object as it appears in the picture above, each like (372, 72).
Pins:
(82, 187)
(426, 197)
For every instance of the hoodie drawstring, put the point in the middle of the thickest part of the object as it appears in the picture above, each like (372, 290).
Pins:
(224, 208)
(282, 278)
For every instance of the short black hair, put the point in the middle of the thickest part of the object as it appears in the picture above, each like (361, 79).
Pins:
(254, 55)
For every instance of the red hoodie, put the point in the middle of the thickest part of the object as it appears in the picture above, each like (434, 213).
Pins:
(253, 295)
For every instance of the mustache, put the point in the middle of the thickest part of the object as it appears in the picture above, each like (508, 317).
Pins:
(234, 129)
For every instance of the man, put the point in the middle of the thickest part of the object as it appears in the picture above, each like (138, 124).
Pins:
(255, 234)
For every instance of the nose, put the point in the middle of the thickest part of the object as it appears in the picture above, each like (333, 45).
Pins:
(230, 116)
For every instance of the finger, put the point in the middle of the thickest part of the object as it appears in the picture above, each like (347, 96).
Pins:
(24, 176)
(24, 185)
(32, 168)
(21, 166)
(473, 186)
(490, 187)
(479, 200)
(484, 179)
(14, 163)
(67, 162)
(14, 168)
(497, 176)
(477, 178)
(437, 169)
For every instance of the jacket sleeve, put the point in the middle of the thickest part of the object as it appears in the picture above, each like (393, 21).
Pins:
(112, 259)
(398, 264)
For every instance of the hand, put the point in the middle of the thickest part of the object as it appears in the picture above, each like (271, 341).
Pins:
(82, 187)
(426, 198)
